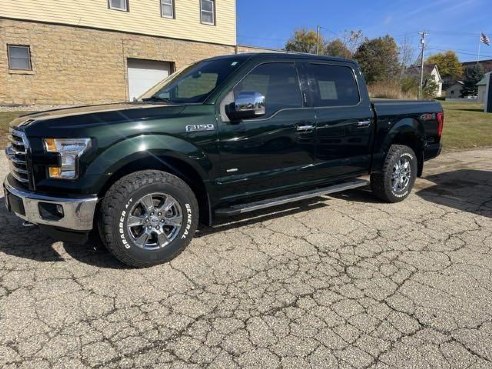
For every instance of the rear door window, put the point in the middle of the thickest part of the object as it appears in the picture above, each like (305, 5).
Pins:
(333, 85)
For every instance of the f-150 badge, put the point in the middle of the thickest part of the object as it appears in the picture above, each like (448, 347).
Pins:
(200, 127)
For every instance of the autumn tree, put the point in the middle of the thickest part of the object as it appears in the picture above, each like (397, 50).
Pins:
(306, 41)
(338, 48)
(448, 64)
(378, 59)
(353, 39)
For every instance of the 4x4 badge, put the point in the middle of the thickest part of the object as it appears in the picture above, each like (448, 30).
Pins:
(200, 127)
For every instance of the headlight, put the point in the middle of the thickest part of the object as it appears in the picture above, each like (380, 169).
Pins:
(70, 149)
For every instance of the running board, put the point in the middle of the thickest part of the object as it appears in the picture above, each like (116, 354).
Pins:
(246, 208)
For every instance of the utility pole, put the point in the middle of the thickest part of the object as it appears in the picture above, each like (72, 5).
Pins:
(317, 39)
(422, 49)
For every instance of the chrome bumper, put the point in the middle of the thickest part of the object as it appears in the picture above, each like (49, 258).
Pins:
(78, 213)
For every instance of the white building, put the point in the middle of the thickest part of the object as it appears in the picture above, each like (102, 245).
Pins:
(430, 71)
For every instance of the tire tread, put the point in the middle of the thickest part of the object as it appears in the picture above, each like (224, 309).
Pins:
(119, 193)
(378, 180)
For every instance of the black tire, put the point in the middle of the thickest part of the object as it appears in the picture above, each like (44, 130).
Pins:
(125, 197)
(382, 184)
(95, 241)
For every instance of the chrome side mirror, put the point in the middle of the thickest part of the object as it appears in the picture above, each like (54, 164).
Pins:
(249, 104)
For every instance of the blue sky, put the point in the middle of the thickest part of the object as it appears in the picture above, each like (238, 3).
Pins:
(452, 24)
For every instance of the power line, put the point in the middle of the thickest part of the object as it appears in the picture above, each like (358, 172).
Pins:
(459, 33)
(458, 51)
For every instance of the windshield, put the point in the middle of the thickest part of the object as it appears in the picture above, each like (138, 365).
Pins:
(195, 83)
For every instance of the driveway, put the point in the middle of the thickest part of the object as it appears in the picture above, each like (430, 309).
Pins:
(339, 281)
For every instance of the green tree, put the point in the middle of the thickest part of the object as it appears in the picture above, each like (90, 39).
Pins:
(430, 87)
(410, 85)
(305, 41)
(338, 48)
(473, 74)
(448, 64)
(378, 59)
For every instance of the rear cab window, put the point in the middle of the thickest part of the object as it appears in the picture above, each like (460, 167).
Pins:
(333, 85)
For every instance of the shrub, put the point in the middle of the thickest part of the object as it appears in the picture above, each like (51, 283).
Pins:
(390, 90)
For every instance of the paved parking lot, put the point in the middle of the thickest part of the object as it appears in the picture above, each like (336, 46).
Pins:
(340, 281)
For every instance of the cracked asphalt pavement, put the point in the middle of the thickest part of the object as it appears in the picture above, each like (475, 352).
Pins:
(342, 281)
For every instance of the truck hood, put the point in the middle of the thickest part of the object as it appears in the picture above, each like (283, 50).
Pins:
(96, 114)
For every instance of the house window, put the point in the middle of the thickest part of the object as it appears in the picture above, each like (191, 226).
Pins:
(207, 11)
(118, 5)
(19, 57)
(167, 8)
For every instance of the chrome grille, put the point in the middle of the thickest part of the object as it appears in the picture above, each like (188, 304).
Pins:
(17, 155)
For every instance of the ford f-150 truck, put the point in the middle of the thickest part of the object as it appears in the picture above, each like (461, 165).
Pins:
(224, 136)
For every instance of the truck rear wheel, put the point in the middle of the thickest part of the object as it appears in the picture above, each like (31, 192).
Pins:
(148, 218)
(396, 181)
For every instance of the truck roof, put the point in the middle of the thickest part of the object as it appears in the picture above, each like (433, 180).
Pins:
(282, 55)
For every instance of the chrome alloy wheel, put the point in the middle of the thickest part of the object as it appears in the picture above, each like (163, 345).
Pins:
(401, 175)
(154, 221)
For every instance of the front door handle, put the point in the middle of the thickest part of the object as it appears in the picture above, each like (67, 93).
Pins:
(363, 123)
(304, 127)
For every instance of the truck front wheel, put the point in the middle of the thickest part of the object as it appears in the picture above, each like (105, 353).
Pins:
(148, 218)
(396, 181)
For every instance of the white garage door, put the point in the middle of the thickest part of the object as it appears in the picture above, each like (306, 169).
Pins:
(143, 74)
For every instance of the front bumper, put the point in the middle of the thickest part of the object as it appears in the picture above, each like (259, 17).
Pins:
(70, 213)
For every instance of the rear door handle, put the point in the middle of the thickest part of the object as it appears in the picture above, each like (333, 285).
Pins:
(363, 123)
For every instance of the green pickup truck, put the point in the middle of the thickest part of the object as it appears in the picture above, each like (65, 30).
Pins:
(225, 136)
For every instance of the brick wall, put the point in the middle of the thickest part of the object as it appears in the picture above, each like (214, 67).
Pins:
(73, 65)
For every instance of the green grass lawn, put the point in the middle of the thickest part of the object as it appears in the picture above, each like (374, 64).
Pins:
(466, 126)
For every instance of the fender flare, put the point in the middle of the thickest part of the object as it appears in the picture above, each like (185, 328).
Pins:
(140, 147)
(407, 131)
(150, 151)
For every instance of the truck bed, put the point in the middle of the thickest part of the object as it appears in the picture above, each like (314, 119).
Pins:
(385, 107)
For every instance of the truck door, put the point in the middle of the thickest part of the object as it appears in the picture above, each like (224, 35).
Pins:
(344, 121)
(274, 151)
